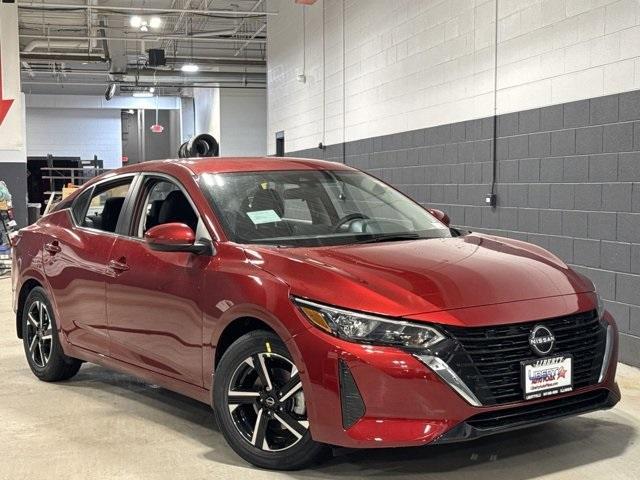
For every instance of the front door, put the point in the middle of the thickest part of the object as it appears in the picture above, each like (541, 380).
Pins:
(153, 298)
(75, 263)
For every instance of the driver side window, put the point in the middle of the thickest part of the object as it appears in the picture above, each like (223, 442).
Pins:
(164, 202)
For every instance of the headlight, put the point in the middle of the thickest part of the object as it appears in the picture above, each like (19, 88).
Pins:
(359, 327)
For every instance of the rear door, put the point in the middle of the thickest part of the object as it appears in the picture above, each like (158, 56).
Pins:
(75, 262)
(153, 298)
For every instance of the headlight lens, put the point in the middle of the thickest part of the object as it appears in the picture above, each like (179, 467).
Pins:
(359, 327)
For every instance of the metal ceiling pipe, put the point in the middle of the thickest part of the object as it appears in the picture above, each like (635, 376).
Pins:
(230, 60)
(70, 71)
(249, 40)
(54, 43)
(62, 56)
(133, 75)
(34, 44)
(143, 10)
(150, 38)
(224, 84)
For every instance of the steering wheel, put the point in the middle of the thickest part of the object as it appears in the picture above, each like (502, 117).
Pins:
(349, 218)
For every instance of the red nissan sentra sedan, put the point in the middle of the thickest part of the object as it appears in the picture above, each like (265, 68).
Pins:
(311, 305)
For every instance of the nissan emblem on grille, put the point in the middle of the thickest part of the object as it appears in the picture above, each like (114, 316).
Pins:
(541, 340)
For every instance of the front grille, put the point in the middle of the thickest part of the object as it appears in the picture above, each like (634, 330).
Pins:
(488, 359)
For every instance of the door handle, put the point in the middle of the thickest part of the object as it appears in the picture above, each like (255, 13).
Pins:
(53, 247)
(118, 266)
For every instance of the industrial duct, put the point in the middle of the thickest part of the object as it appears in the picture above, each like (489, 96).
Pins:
(201, 146)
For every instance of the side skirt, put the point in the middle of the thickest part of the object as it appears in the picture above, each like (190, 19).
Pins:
(193, 391)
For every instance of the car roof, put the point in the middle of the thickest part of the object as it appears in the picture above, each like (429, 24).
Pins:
(236, 164)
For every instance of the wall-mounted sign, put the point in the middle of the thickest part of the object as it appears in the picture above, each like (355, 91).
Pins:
(5, 103)
(11, 114)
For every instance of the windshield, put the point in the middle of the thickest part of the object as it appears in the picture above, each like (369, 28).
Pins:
(315, 208)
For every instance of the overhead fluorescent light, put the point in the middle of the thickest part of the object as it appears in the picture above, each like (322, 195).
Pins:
(189, 67)
(135, 21)
(143, 94)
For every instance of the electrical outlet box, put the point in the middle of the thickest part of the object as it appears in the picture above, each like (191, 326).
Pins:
(490, 199)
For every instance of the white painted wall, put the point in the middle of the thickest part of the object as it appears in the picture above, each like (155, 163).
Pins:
(236, 117)
(411, 64)
(80, 132)
(84, 125)
(206, 103)
(243, 122)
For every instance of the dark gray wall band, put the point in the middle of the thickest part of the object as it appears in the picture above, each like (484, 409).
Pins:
(15, 176)
(568, 179)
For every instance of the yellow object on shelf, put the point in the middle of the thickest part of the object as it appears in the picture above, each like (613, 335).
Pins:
(68, 190)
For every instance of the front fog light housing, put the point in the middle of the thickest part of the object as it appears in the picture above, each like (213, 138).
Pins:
(360, 327)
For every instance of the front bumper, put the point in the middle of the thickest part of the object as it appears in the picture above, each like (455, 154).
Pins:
(407, 404)
(523, 416)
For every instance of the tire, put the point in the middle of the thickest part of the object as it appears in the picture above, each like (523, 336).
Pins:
(41, 343)
(266, 427)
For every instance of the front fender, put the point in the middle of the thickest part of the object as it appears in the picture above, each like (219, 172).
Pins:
(239, 289)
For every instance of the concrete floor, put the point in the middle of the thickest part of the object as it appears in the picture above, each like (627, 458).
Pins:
(103, 424)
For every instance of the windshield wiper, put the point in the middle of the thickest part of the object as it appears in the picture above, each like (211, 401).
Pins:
(391, 237)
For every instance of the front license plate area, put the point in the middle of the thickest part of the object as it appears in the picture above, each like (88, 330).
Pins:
(547, 376)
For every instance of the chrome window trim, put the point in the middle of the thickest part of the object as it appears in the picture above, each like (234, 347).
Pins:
(135, 176)
(172, 179)
(93, 187)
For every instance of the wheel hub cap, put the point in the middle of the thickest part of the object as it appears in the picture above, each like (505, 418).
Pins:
(39, 333)
(266, 403)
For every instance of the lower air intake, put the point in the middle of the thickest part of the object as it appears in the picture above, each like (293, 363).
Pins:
(351, 401)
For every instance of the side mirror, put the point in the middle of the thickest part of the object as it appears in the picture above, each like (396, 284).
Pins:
(174, 237)
(440, 215)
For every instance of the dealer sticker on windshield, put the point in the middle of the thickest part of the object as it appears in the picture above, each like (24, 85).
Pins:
(263, 216)
(547, 376)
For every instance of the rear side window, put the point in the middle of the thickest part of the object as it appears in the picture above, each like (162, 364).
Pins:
(80, 205)
(105, 205)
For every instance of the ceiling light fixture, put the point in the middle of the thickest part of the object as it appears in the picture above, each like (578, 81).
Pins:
(143, 94)
(189, 67)
(110, 91)
(135, 21)
(143, 23)
(155, 22)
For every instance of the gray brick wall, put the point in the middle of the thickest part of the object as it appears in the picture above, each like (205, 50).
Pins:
(568, 179)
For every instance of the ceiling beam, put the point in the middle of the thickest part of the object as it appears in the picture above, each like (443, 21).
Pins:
(143, 10)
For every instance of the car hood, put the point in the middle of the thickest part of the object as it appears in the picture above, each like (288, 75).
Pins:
(421, 276)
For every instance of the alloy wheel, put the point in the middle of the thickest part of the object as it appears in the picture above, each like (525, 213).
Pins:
(266, 402)
(39, 333)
